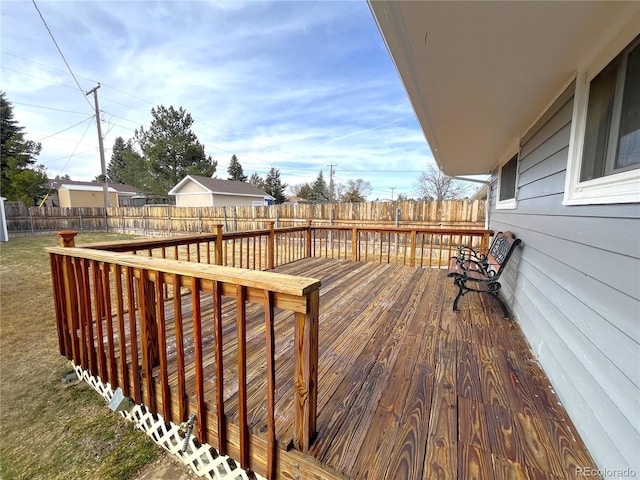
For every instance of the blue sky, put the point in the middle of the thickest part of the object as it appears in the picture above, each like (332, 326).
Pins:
(296, 85)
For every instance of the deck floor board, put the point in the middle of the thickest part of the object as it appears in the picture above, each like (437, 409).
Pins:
(406, 387)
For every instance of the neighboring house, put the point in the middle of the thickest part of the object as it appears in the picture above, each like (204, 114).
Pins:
(197, 191)
(70, 193)
(546, 97)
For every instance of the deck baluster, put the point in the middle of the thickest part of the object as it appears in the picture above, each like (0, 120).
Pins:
(162, 347)
(149, 330)
(177, 315)
(122, 341)
(98, 307)
(108, 318)
(269, 316)
(241, 322)
(217, 333)
(86, 306)
(197, 344)
(133, 334)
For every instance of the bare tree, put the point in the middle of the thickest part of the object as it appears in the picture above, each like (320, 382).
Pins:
(433, 184)
(356, 191)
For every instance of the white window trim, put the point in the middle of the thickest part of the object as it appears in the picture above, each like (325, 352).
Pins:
(623, 187)
(509, 203)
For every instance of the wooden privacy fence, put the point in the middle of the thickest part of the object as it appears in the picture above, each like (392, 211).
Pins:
(167, 220)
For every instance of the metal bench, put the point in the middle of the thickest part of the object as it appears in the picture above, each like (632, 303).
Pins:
(474, 272)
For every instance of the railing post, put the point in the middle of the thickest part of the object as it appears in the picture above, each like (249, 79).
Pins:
(309, 235)
(414, 237)
(69, 310)
(219, 244)
(271, 247)
(485, 241)
(67, 238)
(306, 372)
(354, 245)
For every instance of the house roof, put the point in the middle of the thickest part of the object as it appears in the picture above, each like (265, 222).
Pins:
(89, 186)
(221, 187)
(479, 74)
(86, 188)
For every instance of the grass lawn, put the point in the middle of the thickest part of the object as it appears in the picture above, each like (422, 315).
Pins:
(49, 430)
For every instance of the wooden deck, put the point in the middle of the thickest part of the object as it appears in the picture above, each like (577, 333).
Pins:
(407, 389)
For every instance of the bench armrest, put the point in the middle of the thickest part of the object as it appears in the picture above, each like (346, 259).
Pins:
(470, 253)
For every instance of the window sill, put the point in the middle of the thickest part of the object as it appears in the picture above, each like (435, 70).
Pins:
(509, 204)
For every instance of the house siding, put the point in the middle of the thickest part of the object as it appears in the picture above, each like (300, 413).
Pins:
(234, 200)
(193, 199)
(575, 290)
(81, 198)
(192, 187)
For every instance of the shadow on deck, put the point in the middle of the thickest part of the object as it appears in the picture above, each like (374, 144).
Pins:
(407, 389)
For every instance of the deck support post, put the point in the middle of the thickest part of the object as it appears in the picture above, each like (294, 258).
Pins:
(306, 373)
(308, 244)
(271, 247)
(219, 244)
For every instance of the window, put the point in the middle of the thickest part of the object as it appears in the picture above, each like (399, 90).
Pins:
(612, 131)
(507, 184)
(604, 165)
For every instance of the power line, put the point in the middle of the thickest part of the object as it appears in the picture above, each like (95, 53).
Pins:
(51, 108)
(37, 78)
(73, 153)
(62, 131)
(60, 52)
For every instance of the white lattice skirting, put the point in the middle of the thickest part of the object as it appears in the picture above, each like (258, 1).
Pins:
(203, 459)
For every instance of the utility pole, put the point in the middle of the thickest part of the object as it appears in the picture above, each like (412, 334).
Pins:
(331, 185)
(392, 189)
(105, 185)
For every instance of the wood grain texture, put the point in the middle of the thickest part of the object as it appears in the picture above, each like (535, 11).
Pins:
(403, 390)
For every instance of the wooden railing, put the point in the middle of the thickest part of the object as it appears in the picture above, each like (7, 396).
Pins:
(121, 305)
(117, 314)
(422, 248)
(267, 249)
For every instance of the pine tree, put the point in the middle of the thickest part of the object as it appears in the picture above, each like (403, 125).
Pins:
(274, 186)
(235, 170)
(319, 191)
(256, 180)
(21, 178)
(171, 150)
(126, 165)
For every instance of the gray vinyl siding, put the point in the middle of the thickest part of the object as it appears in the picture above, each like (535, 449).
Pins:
(575, 290)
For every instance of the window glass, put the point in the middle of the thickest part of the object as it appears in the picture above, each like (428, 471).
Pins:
(629, 134)
(508, 179)
(612, 129)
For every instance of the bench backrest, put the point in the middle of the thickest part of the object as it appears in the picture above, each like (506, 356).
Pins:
(501, 248)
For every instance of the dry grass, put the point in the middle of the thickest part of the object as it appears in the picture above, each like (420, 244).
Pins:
(47, 429)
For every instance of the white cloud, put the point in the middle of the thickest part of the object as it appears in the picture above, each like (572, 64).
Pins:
(295, 85)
